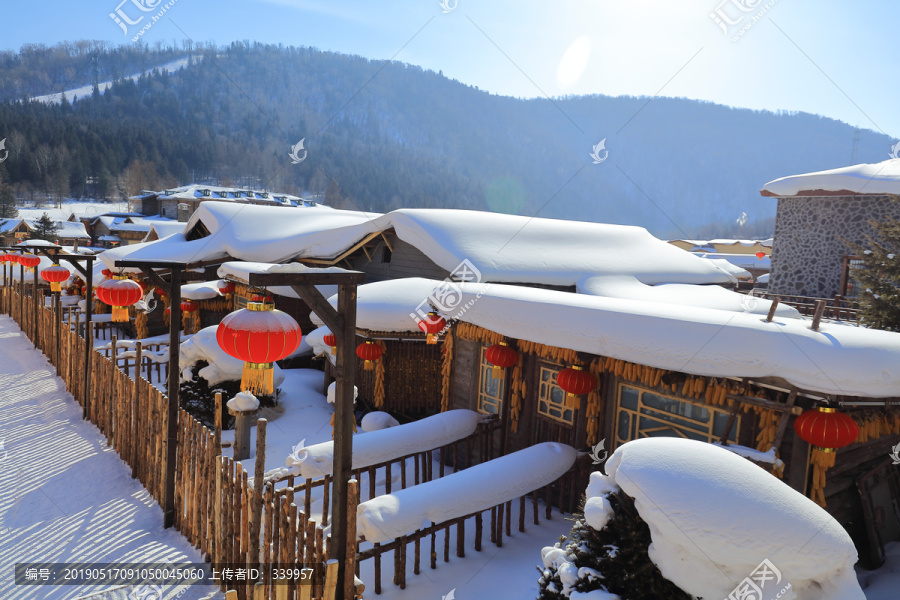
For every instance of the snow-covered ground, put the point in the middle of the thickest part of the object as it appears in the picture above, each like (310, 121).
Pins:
(64, 495)
(86, 90)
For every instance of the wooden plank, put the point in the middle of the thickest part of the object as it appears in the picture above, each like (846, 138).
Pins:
(765, 403)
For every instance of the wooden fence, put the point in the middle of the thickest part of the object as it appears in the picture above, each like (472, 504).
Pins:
(229, 518)
(216, 510)
(839, 308)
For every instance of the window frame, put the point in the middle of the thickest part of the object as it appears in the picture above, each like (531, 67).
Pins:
(554, 369)
(486, 368)
(634, 416)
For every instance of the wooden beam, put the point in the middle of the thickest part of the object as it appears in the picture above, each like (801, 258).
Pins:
(772, 308)
(785, 417)
(817, 317)
(314, 278)
(765, 403)
(386, 241)
(323, 309)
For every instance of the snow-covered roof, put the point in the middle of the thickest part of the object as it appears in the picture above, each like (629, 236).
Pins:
(728, 242)
(741, 261)
(503, 248)
(72, 230)
(877, 178)
(165, 228)
(396, 305)
(836, 359)
(196, 191)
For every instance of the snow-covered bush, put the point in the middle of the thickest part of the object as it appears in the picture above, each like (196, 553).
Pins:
(703, 518)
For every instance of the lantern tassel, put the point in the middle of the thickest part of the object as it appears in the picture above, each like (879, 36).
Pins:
(431, 338)
(55, 287)
(368, 365)
(333, 350)
(258, 378)
(496, 372)
(120, 314)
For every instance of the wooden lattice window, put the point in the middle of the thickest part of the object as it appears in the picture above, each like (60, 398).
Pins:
(644, 413)
(849, 283)
(490, 388)
(552, 398)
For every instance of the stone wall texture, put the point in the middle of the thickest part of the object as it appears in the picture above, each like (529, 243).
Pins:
(809, 248)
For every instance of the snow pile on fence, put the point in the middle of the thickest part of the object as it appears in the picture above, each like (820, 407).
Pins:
(222, 367)
(377, 447)
(836, 359)
(244, 401)
(332, 391)
(378, 420)
(878, 178)
(477, 488)
(714, 517)
(202, 290)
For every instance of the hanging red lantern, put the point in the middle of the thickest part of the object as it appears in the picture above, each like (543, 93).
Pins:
(760, 255)
(501, 356)
(826, 429)
(29, 261)
(575, 382)
(107, 273)
(4, 258)
(55, 275)
(259, 335)
(226, 288)
(12, 258)
(120, 293)
(432, 325)
(188, 306)
(369, 352)
(160, 292)
(331, 340)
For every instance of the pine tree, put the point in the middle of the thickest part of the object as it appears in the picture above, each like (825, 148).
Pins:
(879, 277)
(7, 202)
(614, 559)
(45, 229)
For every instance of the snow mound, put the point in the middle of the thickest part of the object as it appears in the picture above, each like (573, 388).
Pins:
(244, 401)
(714, 517)
(381, 446)
(222, 367)
(378, 420)
(332, 390)
(877, 178)
(390, 516)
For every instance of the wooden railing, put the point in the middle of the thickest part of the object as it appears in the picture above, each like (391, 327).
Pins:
(839, 308)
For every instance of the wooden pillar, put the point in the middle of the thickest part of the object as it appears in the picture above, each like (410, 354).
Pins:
(88, 344)
(345, 374)
(34, 304)
(242, 432)
(172, 388)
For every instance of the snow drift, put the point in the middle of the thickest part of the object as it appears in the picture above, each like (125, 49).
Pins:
(477, 488)
(222, 367)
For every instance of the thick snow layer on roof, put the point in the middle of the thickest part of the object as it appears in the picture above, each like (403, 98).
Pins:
(257, 234)
(741, 261)
(390, 305)
(517, 249)
(465, 492)
(714, 517)
(877, 178)
(837, 359)
(374, 447)
(241, 271)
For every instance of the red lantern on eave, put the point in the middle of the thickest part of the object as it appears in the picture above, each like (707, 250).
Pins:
(55, 275)
(29, 261)
(369, 352)
(331, 340)
(107, 273)
(826, 429)
(120, 293)
(160, 292)
(575, 382)
(502, 357)
(12, 258)
(760, 255)
(432, 325)
(226, 288)
(259, 335)
(188, 306)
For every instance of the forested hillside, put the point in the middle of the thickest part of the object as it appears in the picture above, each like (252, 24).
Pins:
(384, 135)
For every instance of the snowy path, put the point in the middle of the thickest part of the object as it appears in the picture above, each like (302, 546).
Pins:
(65, 496)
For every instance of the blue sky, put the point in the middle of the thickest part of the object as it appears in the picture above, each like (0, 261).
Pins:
(827, 57)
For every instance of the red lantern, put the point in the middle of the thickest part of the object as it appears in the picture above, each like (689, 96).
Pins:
(29, 261)
(120, 293)
(575, 382)
(55, 275)
(226, 288)
(4, 258)
(826, 429)
(160, 292)
(501, 356)
(331, 340)
(760, 255)
(432, 326)
(188, 306)
(258, 335)
(12, 258)
(107, 273)
(369, 352)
